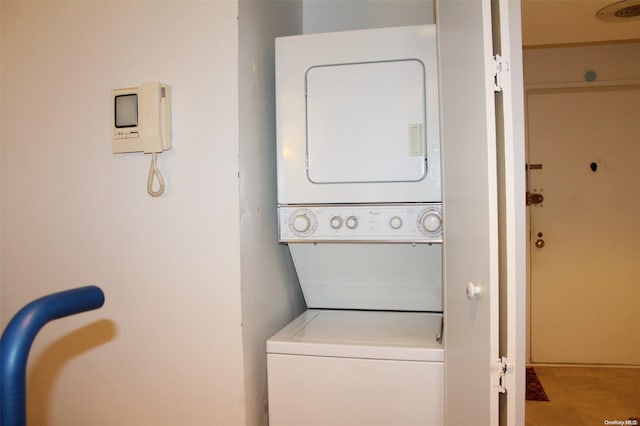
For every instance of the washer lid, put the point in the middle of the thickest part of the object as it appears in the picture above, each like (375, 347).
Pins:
(407, 336)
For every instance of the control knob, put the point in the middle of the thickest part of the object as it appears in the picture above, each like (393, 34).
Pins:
(431, 221)
(395, 222)
(336, 222)
(352, 222)
(301, 223)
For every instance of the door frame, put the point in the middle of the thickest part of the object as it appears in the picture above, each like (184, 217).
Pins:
(472, 258)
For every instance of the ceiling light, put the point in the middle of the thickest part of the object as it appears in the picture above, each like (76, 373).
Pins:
(622, 11)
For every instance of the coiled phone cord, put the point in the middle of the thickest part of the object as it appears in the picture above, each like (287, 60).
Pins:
(154, 172)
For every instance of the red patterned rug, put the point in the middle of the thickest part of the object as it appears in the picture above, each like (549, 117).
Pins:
(535, 391)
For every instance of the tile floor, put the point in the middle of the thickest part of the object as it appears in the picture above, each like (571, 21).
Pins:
(586, 396)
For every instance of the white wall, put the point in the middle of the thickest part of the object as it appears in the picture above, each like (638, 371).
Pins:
(166, 349)
(1, 60)
(341, 15)
(560, 65)
(271, 295)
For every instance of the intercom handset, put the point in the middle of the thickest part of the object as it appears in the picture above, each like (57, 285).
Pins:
(142, 123)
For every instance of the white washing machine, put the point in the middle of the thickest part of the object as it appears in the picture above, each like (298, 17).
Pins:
(331, 368)
(359, 204)
(369, 350)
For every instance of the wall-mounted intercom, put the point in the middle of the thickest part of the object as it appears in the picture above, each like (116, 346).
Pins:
(142, 123)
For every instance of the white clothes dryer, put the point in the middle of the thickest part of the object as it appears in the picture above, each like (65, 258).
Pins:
(357, 117)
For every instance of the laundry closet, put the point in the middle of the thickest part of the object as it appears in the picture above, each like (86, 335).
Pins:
(388, 202)
(359, 204)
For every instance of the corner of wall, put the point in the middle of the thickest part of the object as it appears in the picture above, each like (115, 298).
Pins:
(2, 323)
(271, 296)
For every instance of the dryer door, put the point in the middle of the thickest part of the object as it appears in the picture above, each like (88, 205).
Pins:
(366, 121)
(357, 117)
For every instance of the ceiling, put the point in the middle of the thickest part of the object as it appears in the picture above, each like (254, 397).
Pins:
(560, 22)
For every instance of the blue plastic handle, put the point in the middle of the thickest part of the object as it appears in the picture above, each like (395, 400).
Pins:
(19, 335)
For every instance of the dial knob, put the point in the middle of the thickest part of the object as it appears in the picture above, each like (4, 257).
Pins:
(301, 223)
(352, 222)
(473, 291)
(336, 222)
(395, 222)
(431, 221)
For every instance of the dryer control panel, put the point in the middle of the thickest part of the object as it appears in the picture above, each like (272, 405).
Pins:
(397, 223)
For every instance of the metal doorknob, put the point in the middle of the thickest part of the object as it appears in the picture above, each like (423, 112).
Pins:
(539, 243)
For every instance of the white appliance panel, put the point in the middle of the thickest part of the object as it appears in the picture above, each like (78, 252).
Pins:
(404, 336)
(321, 391)
(402, 277)
(345, 368)
(339, 164)
(365, 122)
(417, 222)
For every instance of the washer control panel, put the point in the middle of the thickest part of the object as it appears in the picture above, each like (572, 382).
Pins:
(415, 222)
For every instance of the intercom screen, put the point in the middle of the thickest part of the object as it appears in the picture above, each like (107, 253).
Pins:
(126, 108)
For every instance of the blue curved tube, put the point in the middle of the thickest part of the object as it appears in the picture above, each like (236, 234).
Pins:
(19, 335)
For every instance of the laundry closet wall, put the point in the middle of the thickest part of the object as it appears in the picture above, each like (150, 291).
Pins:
(345, 15)
(168, 346)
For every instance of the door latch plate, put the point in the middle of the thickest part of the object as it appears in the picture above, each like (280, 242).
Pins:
(534, 198)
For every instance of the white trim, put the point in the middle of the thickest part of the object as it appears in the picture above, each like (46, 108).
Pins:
(492, 191)
(515, 210)
(581, 84)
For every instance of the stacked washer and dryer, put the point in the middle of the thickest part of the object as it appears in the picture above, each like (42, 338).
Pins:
(360, 206)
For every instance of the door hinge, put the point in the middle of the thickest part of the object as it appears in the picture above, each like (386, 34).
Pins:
(504, 368)
(499, 66)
